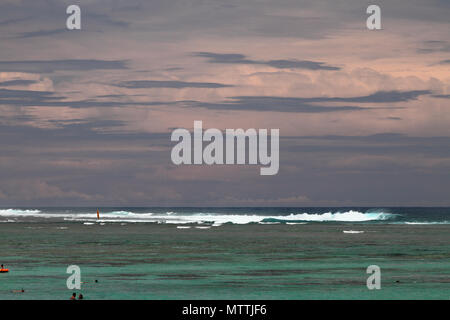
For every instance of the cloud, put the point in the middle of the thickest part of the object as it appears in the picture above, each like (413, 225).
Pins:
(234, 58)
(386, 137)
(39, 33)
(48, 66)
(380, 97)
(259, 202)
(25, 94)
(445, 61)
(20, 190)
(30, 98)
(377, 97)
(86, 136)
(17, 83)
(141, 84)
(277, 104)
(307, 105)
(441, 96)
(76, 132)
(104, 20)
(387, 144)
(432, 46)
(12, 21)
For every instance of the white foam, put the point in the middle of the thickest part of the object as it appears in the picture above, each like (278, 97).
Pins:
(352, 231)
(18, 212)
(426, 223)
(348, 216)
(200, 218)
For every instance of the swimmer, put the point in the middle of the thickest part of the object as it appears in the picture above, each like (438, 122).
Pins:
(3, 269)
(80, 297)
(74, 296)
(95, 281)
(19, 291)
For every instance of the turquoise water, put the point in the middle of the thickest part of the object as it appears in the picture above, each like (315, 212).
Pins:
(143, 260)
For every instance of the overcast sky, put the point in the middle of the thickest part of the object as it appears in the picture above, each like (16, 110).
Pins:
(86, 115)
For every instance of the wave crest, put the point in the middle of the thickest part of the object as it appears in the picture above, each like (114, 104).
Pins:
(348, 216)
(18, 212)
(201, 217)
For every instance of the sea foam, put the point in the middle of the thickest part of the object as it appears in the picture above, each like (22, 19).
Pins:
(212, 218)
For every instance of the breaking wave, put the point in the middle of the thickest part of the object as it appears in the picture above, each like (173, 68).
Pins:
(18, 212)
(201, 217)
(348, 216)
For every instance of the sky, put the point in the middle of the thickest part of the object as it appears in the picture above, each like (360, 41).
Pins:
(86, 115)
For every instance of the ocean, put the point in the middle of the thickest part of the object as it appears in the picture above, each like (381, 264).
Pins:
(225, 253)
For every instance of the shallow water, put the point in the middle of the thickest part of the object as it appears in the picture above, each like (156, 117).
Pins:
(251, 261)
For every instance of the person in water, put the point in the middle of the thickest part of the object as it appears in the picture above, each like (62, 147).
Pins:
(18, 291)
(80, 297)
(95, 281)
(74, 296)
(2, 267)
